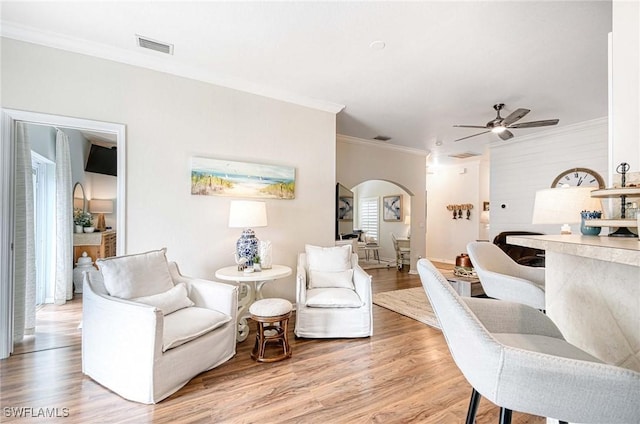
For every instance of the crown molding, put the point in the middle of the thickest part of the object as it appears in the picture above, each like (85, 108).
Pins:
(152, 61)
(379, 144)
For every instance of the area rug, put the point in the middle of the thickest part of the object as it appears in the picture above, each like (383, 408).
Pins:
(412, 303)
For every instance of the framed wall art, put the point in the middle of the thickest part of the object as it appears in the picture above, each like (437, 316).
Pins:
(345, 208)
(392, 208)
(215, 177)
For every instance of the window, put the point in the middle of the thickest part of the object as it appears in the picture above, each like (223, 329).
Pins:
(368, 215)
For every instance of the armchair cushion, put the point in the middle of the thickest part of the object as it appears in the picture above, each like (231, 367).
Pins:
(170, 301)
(138, 275)
(333, 298)
(328, 259)
(188, 324)
(340, 279)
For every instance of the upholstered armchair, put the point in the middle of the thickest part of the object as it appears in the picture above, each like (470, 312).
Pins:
(147, 329)
(504, 279)
(333, 294)
(517, 358)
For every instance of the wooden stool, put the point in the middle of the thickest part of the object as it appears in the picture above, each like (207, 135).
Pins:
(271, 311)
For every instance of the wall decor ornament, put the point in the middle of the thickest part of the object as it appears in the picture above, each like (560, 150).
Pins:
(392, 208)
(457, 210)
(216, 177)
(264, 251)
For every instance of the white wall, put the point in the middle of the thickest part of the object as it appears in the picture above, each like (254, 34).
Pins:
(526, 164)
(453, 185)
(170, 119)
(380, 189)
(360, 160)
(625, 85)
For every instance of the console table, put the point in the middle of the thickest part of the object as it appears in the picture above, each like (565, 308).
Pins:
(593, 292)
(250, 283)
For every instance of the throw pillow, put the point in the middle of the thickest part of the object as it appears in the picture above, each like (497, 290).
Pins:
(321, 279)
(138, 275)
(169, 301)
(328, 259)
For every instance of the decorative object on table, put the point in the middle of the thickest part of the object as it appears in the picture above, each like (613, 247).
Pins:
(100, 207)
(84, 264)
(88, 229)
(584, 224)
(256, 264)
(214, 177)
(241, 262)
(264, 252)
(578, 177)
(464, 267)
(563, 205)
(407, 222)
(246, 214)
(82, 219)
(392, 208)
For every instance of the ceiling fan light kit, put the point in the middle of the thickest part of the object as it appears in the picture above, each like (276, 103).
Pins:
(501, 126)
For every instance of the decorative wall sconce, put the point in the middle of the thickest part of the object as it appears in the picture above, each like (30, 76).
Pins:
(457, 210)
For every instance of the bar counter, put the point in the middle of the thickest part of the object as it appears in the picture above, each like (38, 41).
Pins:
(593, 292)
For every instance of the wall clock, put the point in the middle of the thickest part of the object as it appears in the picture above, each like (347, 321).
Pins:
(578, 177)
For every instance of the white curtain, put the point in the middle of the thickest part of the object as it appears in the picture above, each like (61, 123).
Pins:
(64, 221)
(24, 243)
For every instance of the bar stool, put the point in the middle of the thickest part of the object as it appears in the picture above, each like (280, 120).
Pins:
(270, 312)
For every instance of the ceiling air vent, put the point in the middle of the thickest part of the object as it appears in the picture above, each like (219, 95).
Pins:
(464, 155)
(159, 46)
(382, 138)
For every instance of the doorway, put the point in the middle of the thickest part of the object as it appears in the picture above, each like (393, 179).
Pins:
(7, 216)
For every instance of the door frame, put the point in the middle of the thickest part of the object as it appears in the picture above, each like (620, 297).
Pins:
(8, 119)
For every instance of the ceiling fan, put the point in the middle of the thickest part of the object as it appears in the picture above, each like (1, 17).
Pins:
(502, 125)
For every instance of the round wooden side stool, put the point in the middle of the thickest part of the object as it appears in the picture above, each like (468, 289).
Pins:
(275, 313)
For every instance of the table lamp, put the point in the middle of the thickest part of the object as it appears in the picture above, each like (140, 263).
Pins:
(563, 205)
(407, 221)
(246, 214)
(101, 206)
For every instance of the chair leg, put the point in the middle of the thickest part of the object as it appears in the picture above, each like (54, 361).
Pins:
(505, 416)
(473, 407)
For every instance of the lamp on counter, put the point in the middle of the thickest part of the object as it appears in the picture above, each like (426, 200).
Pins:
(485, 218)
(563, 205)
(100, 207)
(247, 214)
(407, 221)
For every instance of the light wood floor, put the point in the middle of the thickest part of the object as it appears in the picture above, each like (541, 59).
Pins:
(403, 374)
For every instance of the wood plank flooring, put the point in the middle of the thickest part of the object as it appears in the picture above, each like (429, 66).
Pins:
(403, 374)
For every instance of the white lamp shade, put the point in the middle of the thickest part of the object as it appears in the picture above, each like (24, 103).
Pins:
(247, 214)
(101, 206)
(485, 217)
(563, 205)
(407, 220)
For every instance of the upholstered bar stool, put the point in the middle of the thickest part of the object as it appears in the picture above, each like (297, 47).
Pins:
(272, 318)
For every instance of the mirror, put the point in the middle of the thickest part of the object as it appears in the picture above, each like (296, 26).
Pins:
(79, 199)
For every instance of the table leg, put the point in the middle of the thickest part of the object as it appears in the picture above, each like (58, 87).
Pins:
(243, 310)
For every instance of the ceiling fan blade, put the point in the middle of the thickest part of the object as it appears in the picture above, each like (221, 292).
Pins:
(469, 126)
(505, 135)
(514, 116)
(469, 136)
(535, 124)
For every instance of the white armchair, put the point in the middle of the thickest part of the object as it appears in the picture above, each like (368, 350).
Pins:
(134, 342)
(502, 278)
(333, 294)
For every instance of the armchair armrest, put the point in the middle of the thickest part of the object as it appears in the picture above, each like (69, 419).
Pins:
(362, 283)
(533, 274)
(213, 295)
(499, 316)
(301, 280)
(207, 293)
(104, 339)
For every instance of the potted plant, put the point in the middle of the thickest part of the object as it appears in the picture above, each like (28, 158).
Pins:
(256, 264)
(84, 220)
(584, 223)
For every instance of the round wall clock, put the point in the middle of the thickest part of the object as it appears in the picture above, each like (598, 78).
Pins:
(578, 177)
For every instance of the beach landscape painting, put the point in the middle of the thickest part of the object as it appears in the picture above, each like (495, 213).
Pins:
(216, 177)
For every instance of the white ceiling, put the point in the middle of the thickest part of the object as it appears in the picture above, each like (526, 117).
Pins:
(445, 62)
